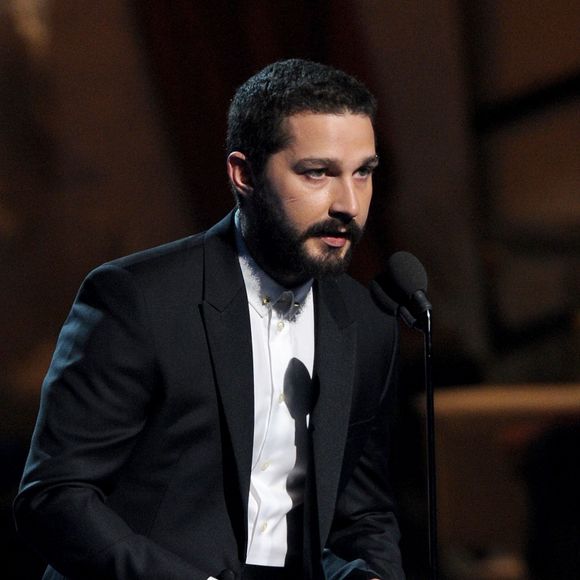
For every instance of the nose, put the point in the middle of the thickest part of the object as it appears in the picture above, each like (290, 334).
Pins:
(345, 202)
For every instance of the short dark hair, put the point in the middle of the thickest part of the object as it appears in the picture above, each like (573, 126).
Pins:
(282, 89)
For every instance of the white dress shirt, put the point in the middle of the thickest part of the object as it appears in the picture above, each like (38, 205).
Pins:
(282, 325)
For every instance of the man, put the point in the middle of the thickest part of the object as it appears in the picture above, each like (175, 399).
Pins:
(216, 407)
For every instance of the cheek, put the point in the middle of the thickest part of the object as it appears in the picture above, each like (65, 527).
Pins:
(304, 210)
(364, 206)
(363, 215)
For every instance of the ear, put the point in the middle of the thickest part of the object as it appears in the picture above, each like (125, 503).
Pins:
(240, 173)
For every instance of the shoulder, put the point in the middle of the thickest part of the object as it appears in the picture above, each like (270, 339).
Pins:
(177, 254)
(168, 274)
(362, 301)
(179, 260)
(163, 273)
(376, 323)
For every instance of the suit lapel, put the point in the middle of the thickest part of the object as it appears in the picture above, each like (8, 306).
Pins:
(334, 371)
(227, 324)
(224, 310)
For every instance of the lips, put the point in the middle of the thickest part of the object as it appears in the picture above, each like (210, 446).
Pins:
(334, 241)
(333, 233)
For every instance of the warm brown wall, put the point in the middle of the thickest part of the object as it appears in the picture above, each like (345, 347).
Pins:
(111, 128)
(85, 175)
(89, 170)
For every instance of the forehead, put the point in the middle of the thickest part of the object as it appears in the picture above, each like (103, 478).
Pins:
(317, 133)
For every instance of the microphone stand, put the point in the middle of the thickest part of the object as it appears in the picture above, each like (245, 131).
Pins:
(430, 429)
(423, 323)
(415, 310)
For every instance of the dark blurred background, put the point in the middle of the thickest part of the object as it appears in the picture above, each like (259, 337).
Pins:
(112, 123)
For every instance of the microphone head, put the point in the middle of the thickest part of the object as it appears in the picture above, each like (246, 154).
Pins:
(405, 282)
(404, 276)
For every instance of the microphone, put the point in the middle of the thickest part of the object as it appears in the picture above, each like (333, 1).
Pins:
(405, 282)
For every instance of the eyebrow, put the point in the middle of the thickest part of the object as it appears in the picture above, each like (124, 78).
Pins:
(371, 161)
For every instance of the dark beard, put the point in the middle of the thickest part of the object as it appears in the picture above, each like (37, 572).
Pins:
(280, 250)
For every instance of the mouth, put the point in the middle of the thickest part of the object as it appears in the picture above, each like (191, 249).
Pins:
(335, 241)
(334, 235)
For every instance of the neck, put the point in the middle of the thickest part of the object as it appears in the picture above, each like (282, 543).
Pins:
(265, 260)
(285, 279)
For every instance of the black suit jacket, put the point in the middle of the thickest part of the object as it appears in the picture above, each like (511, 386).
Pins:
(140, 461)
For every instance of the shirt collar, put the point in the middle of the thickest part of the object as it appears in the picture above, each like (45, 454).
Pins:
(264, 293)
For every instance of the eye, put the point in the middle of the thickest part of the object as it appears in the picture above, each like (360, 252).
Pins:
(365, 171)
(316, 173)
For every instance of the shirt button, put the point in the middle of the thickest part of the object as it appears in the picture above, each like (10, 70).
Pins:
(281, 398)
(280, 325)
(263, 527)
(265, 465)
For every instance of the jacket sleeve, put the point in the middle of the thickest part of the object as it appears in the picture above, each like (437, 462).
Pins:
(365, 526)
(94, 404)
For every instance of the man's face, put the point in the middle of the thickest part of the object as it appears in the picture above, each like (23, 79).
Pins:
(310, 207)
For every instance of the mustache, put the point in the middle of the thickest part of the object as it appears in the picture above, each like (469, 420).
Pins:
(335, 228)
